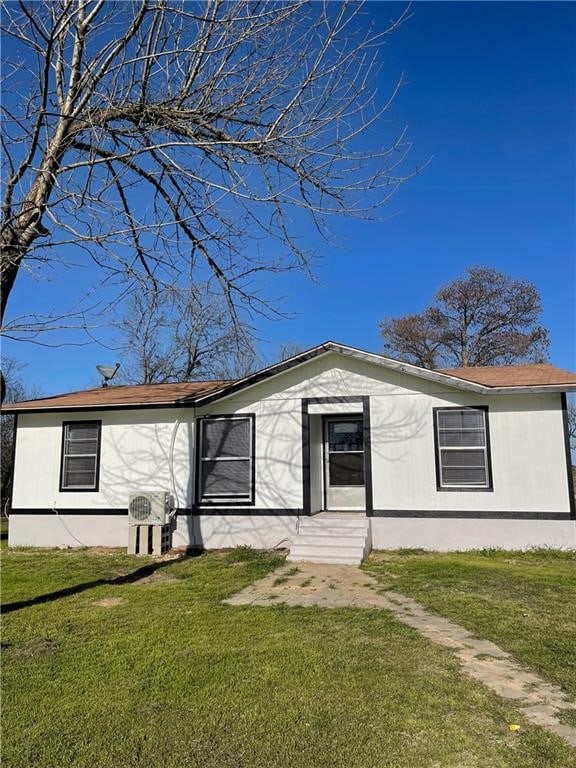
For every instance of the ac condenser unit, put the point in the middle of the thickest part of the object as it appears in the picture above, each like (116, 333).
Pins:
(149, 508)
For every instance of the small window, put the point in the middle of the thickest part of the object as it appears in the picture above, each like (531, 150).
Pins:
(462, 449)
(80, 456)
(226, 458)
(345, 451)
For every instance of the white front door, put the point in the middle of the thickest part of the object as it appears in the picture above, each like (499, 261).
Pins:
(344, 463)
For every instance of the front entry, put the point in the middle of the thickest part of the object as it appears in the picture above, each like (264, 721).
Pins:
(344, 484)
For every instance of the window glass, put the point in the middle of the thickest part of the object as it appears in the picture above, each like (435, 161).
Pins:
(226, 458)
(223, 478)
(346, 468)
(225, 437)
(346, 435)
(80, 451)
(461, 443)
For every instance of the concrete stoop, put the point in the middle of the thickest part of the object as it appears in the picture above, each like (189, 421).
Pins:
(333, 538)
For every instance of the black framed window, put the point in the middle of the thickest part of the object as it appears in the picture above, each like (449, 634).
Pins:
(226, 458)
(80, 465)
(462, 442)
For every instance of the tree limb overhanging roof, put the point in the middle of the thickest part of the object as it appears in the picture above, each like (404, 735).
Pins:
(488, 380)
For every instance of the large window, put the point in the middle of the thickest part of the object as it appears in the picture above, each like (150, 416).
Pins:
(80, 456)
(462, 449)
(226, 466)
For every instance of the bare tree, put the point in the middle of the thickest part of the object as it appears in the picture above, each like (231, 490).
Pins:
(170, 335)
(16, 389)
(288, 349)
(484, 318)
(175, 142)
(571, 407)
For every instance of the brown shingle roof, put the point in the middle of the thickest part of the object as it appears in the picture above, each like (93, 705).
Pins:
(116, 396)
(534, 375)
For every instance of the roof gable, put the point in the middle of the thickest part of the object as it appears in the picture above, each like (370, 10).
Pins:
(507, 379)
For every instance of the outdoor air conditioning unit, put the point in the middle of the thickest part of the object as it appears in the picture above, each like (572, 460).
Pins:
(150, 508)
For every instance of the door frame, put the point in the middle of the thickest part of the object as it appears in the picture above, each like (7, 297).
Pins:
(354, 401)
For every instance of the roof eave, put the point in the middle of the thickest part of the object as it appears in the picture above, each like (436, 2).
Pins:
(109, 407)
(529, 389)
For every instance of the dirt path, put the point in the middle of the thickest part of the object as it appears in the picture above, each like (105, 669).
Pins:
(345, 586)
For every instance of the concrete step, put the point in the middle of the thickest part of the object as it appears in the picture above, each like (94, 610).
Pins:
(312, 526)
(335, 559)
(330, 538)
(332, 530)
(344, 548)
(353, 521)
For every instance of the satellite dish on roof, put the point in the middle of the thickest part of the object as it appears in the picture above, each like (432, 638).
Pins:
(107, 372)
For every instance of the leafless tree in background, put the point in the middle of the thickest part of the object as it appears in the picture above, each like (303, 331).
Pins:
(571, 407)
(484, 318)
(16, 389)
(178, 142)
(288, 349)
(171, 335)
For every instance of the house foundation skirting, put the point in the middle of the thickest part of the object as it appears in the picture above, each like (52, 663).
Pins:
(212, 530)
(216, 530)
(447, 534)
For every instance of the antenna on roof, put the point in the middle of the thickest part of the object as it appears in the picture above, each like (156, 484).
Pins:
(107, 372)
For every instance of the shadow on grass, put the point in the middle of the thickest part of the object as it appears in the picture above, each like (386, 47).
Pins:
(127, 578)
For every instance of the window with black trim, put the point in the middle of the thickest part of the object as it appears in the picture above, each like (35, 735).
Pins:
(462, 448)
(80, 456)
(226, 466)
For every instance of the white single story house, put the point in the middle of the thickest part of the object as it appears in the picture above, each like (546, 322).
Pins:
(335, 442)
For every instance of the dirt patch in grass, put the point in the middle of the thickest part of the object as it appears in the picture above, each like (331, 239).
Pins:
(109, 602)
(285, 576)
(34, 649)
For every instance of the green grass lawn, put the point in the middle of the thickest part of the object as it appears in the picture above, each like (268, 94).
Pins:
(523, 601)
(3, 529)
(101, 672)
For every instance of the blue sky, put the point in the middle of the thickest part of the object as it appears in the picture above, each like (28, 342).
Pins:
(491, 103)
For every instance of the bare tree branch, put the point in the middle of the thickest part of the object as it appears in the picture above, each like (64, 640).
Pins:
(571, 416)
(172, 335)
(168, 139)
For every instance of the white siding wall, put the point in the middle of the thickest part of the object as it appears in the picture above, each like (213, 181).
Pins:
(278, 448)
(526, 437)
(138, 452)
(526, 440)
(153, 450)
